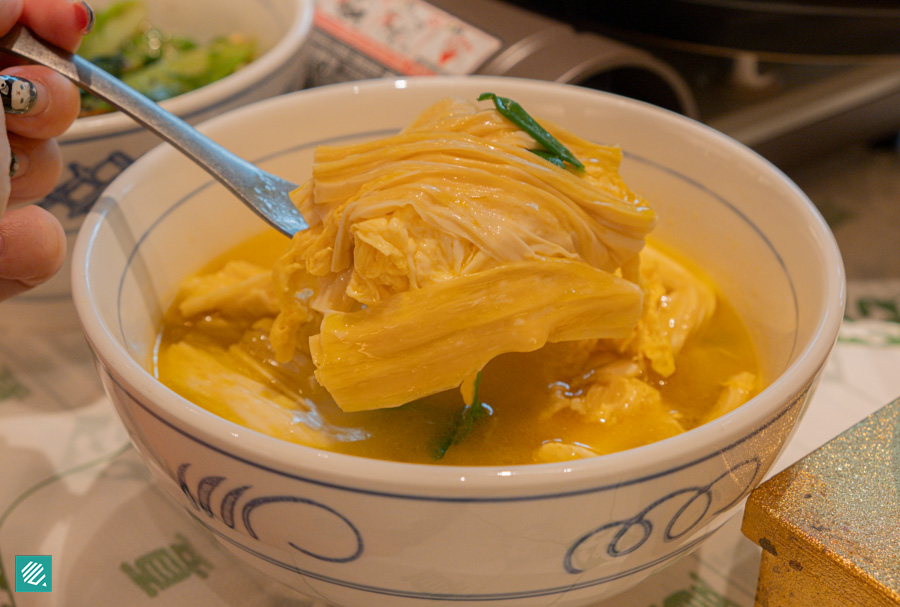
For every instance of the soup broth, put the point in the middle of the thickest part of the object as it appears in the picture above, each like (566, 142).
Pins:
(528, 407)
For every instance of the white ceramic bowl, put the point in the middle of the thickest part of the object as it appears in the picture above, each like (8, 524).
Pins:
(372, 533)
(97, 148)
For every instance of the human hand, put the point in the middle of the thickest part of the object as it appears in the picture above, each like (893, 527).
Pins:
(39, 105)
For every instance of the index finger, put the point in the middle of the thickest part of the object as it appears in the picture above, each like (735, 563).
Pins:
(60, 22)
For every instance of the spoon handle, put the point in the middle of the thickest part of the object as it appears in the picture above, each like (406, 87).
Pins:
(267, 194)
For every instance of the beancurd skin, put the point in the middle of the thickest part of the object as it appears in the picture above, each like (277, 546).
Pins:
(521, 390)
(463, 295)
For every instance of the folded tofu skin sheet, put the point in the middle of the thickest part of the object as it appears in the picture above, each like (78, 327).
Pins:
(461, 297)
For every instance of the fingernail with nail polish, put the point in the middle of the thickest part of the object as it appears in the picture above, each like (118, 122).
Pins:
(13, 164)
(86, 16)
(17, 94)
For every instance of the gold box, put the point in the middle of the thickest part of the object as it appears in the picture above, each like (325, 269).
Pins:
(829, 525)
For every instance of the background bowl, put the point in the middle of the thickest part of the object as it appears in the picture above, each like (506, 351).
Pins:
(371, 533)
(97, 148)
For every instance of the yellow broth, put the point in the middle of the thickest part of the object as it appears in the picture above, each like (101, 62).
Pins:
(515, 388)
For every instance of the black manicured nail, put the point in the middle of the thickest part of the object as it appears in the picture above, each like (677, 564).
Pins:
(13, 164)
(17, 94)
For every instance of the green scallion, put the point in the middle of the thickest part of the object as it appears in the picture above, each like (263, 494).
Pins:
(554, 151)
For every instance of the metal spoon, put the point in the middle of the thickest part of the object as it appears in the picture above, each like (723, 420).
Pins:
(263, 192)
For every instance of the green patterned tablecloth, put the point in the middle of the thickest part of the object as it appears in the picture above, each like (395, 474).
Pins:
(873, 300)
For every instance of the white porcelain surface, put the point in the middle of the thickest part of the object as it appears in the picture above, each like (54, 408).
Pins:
(97, 148)
(369, 533)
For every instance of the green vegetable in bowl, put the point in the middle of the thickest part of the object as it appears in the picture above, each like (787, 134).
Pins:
(158, 64)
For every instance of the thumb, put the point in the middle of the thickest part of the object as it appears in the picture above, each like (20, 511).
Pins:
(32, 249)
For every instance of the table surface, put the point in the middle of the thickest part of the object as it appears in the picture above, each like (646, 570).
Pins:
(74, 488)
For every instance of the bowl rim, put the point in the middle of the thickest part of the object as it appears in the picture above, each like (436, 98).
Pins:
(472, 482)
(216, 93)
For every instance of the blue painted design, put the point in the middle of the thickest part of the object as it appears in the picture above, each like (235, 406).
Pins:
(590, 549)
(229, 502)
(207, 485)
(463, 598)
(262, 501)
(204, 492)
(84, 185)
(180, 475)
